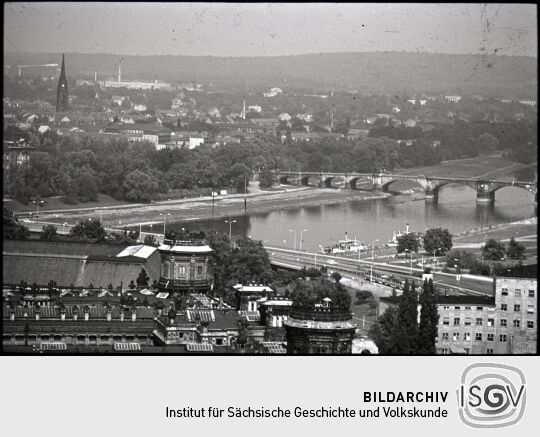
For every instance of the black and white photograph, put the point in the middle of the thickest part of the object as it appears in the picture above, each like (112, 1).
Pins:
(270, 179)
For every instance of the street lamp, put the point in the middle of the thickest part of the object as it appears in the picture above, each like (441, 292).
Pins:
(38, 203)
(301, 232)
(372, 246)
(411, 252)
(164, 219)
(290, 230)
(230, 227)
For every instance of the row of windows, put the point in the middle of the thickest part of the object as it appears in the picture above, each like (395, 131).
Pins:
(517, 307)
(490, 322)
(444, 351)
(517, 292)
(478, 337)
(179, 270)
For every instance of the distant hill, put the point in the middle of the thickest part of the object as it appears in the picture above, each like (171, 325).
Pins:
(381, 72)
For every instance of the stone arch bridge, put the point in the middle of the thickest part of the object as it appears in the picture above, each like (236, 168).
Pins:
(485, 188)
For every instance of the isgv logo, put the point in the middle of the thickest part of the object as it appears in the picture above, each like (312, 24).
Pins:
(491, 395)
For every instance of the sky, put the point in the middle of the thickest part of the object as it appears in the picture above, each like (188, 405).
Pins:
(268, 29)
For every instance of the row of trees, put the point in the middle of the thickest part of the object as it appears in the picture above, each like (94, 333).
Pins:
(78, 167)
(398, 331)
(435, 241)
(469, 139)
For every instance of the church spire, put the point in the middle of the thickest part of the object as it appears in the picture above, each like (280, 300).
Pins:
(62, 100)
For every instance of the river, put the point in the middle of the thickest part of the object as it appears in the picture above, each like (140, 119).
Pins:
(372, 219)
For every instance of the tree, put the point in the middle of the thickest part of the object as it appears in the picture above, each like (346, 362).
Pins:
(140, 186)
(405, 330)
(12, 229)
(408, 241)
(265, 178)
(465, 259)
(487, 143)
(48, 233)
(515, 250)
(381, 332)
(429, 320)
(91, 229)
(336, 276)
(244, 262)
(437, 240)
(313, 292)
(493, 250)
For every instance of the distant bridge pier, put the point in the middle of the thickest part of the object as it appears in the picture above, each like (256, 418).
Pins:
(431, 195)
(484, 193)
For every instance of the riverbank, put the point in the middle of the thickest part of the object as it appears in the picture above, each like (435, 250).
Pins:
(201, 208)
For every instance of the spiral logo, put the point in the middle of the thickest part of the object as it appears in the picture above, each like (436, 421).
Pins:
(491, 395)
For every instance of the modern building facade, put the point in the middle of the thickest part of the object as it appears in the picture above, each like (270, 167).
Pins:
(505, 323)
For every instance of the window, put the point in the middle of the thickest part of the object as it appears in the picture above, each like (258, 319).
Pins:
(457, 308)
(490, 337)
(445, 336)
(199, 270)
(446, 321)
(530, 309)
(517, 323)
(467, 320)
(479, 321)
(478, 336)
(455, 336)
(467, 350)
(504, 307)
(503, 322)
(456, 321)
(467, 308)
(444, 350)
(489, 351)
(479, 308)
(531, 293)
(530, 324)
(446, 307)
(517, 308)
(517, 293)
(504, 291)
(491, 322)
(467, 336)
(502, 338)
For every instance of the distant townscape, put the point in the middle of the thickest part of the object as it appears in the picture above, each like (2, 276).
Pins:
(87, 135)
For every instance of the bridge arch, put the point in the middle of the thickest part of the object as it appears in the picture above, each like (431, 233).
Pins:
(284, 180)
(530, 189)
(386, 186)
(439, 186)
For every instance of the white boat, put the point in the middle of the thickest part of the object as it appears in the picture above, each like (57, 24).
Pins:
(346, 245)
(393, 242)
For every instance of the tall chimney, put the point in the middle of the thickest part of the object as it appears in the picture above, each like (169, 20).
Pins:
(407, 230)
(119, 72)
(95, 76)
